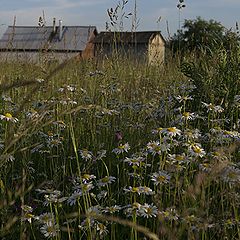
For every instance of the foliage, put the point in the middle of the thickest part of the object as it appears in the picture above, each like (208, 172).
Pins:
(214, 75)
(200, 35)
(113, 150)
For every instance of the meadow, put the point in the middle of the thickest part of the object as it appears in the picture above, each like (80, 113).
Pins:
(119, 150)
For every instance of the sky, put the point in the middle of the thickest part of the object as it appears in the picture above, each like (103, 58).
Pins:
(94, 12)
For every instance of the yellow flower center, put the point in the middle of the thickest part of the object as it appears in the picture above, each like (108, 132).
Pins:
(171, 129)
(186, 114)
(179, 158)
(105, 179)
(161, 178)
(197, 149)
(206, 165)
(86, 176)
(149, 211)
(8, 115)
(135, 189)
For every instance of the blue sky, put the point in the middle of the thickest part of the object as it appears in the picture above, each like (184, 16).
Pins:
(93, 12)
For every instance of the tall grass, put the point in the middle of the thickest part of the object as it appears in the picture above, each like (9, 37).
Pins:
(116, 150)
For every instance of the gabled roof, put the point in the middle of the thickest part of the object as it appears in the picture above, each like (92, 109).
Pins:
(74, 38)
(126, 37)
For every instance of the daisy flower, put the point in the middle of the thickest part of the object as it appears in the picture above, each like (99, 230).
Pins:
(160, 177)
(177, 158)
(148, 211)
(172, 131)
(27, 213)
(49, 230)
(188, 116)
(170, 214)
(112, 209)
(154, 147)
(211, 107)
(134, 161)
(196, 150)
(8, 117)
(183, 98)
(85, 154)
(102, 229)
(139, 190)
(106, 180)
(121, 148)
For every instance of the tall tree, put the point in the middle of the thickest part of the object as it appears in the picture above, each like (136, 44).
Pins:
(199, 34)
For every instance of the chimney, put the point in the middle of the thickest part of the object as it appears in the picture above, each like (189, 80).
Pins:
(54, 25)
(60, 30)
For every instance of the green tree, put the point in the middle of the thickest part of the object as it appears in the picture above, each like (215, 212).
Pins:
(198, 34)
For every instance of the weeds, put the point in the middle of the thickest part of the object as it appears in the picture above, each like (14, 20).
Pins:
(120, 151)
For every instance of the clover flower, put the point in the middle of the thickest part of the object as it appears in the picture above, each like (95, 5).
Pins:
(8, 117)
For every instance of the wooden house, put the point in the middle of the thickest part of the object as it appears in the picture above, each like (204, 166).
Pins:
(33, 43)
(147, 46)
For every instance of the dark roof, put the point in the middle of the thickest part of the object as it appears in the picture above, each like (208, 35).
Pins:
(74, 38)
(126, 37)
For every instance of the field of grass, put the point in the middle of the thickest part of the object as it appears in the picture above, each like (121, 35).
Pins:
(120, 151)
